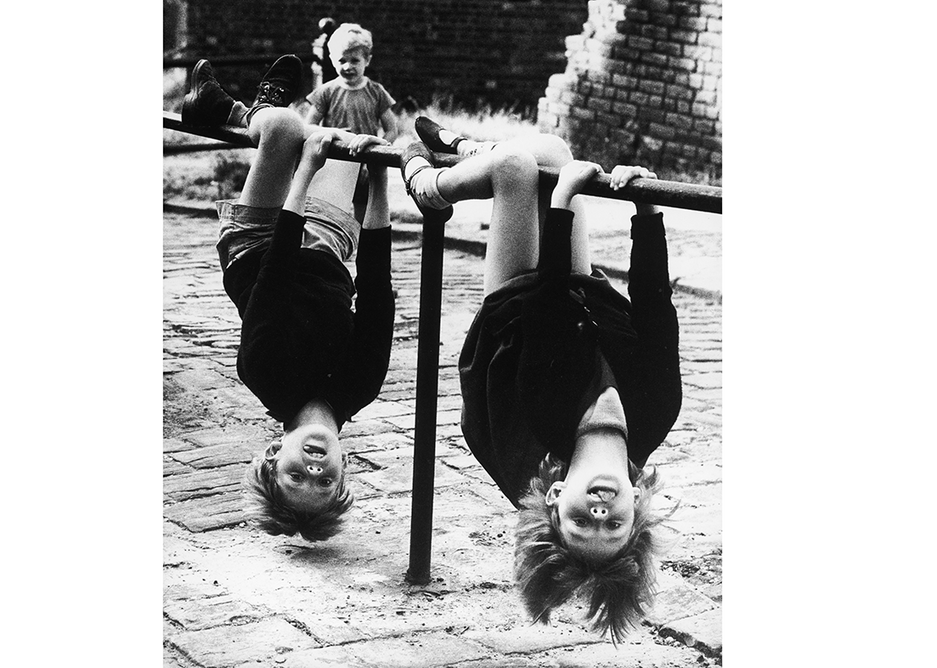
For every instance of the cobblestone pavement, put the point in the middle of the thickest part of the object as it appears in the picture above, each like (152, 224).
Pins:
(234, 596)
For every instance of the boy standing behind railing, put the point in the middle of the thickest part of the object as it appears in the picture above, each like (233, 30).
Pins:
(352, 101)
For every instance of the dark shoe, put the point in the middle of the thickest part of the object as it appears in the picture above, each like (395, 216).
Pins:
(429, 132)
(206, 103)
(281, 83)
(420, 150)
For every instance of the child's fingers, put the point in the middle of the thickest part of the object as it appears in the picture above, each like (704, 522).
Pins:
(360, 142)
(579, 171)
(622, 174)
(586, 169)
(316, 147)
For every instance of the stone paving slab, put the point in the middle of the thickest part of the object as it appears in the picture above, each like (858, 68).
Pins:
(234, 596)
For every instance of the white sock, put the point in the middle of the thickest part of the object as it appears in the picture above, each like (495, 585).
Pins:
(413, 164)
(424, 189)
(468, 147)
(448, 137)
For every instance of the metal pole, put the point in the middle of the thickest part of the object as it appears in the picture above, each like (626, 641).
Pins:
(177, 149)
(427, 385)
(663, 193)
(259, 59)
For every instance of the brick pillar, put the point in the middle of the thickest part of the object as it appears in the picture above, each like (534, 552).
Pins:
(642, 86)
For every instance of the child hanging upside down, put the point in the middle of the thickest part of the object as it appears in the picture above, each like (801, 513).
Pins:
(567, 386)
(309, 357)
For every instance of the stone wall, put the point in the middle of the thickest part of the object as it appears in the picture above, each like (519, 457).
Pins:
(642, 85)
(500, 52)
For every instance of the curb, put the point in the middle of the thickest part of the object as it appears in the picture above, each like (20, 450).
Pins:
(470, 246)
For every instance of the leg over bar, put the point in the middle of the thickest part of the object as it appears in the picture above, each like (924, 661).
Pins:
(652, 191)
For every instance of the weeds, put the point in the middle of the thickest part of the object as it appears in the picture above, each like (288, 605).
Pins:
(221, 174)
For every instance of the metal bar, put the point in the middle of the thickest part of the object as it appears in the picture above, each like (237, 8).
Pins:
(652, 191)
(257, 59)
(427, 386)
(176, 149)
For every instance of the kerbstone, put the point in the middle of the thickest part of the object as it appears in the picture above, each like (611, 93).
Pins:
(210, 512)
(532, 638)
(210, 612)
(703, 631)
(676, 600)
(224, 646)
(204, 482)
(416, 651)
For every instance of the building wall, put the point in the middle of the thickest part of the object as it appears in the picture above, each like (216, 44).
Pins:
(500, 52)
(642, 85)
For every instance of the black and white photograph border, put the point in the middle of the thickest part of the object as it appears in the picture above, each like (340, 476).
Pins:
(234, 595)
(799, 529)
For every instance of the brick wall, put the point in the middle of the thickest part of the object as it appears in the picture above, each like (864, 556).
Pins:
(642, 85)
(501, 52)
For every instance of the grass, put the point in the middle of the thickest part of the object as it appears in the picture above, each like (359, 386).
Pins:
(210, 175)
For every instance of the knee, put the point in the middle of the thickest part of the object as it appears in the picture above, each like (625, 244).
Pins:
(511, 162)
(553, 151)
(278, 124)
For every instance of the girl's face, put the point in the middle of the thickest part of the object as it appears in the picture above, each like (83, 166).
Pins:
(595, 502)
(350, 65)
(596, 513)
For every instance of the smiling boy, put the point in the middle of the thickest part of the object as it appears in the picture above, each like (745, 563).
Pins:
(352, 101)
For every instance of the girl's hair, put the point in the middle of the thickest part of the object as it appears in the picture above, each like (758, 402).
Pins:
(350, 36)
(272, 513)
(619, 592)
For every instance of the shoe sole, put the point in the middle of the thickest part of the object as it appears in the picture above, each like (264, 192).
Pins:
(196, 72)
(193, 86)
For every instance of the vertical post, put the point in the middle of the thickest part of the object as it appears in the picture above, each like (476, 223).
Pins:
(427, 385)
(327, 26)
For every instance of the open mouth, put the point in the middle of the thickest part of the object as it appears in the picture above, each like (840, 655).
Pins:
(603, 483)
(314, 450)
(602, 494)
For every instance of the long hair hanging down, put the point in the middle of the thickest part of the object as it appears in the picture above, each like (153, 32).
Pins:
(619, 592)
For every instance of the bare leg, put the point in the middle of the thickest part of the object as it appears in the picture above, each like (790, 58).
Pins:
(507, 174)
(377, 214)
(335, 182)
(279, 135)
(473, 179)
(552, 151)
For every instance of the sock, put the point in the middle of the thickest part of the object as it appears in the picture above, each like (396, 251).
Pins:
(467, 147)
(424, 190)
(253, 110)
(413, 164)
(450, 138)
(238, 115)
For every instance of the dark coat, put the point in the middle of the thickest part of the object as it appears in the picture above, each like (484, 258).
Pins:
(300, 337)
(544, 346)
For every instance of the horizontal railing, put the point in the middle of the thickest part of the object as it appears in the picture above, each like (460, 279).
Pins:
(651, 191)
(261, 59)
